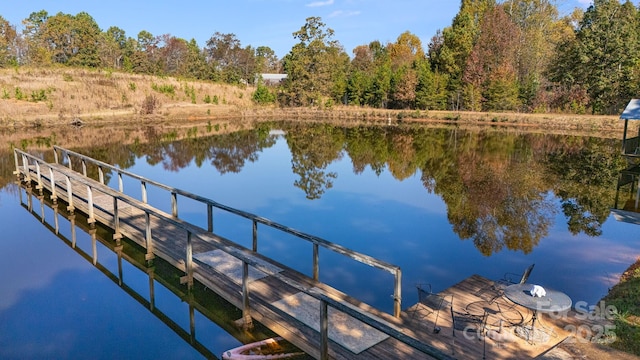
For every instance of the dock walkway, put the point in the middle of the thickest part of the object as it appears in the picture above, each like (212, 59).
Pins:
(320, 320)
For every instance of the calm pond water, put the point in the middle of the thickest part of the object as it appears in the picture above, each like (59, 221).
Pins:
(441, 203)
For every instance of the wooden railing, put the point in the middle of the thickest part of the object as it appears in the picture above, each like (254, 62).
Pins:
(29, 161)
(129, 255)
(210, 204)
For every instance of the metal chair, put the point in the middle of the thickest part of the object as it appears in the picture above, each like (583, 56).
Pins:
(496, 290)
(469, 323)
(428, 303)
(512, 278)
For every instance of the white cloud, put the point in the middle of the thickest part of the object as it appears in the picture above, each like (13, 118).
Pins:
(320, 3)
(341, 13)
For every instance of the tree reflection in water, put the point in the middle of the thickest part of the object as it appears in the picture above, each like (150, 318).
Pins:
(498, 186)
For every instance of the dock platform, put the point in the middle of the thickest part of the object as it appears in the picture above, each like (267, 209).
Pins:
(318, 319)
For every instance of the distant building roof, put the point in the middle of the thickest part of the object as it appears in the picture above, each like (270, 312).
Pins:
(632, 111)
(273, 78)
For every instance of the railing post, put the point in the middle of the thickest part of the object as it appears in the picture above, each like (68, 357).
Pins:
(15, 158)
(55, 155)
(25, 167)
(69, 160)
(41, 199)
(100, 174)
(316, 261)
(56, 222)
(118, 250)
(192, 320)
(94, 244)
(189, 258)
(116, 221)
(209, 217)
(255, 235)
(152, 291)
(72, 221)
(143, 185)
(84, 167)
(397, 294)
(29, 199)
(70, 207)
(54, 195)
(246, 309)
(174, 204)
(20, 195)
(91, 218)
(120, 183)
(188, 278)
(324, 330)
(149, 241)
(39, 177)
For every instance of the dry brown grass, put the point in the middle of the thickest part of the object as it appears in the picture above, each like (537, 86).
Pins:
(99, 96)
(59, 95)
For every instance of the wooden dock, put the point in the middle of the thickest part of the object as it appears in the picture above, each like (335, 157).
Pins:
(320, 320)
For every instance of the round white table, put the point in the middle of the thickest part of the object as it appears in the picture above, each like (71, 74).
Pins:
(553, 301)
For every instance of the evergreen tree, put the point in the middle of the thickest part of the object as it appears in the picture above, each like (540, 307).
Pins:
(314, 65)
(604, 56)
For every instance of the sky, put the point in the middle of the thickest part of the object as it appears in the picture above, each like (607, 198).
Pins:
(262, 22)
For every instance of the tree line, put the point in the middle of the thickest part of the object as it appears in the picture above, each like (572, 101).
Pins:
(511, 55)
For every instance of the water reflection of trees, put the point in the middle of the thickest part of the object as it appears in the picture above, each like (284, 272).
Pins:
(494, 190)
(226, 152)
(586, 176)
(497, 185)
(313, 148)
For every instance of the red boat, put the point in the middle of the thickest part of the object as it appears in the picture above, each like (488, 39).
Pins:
(268, 349)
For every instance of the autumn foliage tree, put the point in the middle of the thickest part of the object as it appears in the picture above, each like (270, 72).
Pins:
(8, 43)
(490, 71)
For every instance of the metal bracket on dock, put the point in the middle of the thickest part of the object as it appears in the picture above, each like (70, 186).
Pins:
(187, 279)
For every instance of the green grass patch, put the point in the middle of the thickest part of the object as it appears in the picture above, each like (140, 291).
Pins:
(167, 89)
(625, 296)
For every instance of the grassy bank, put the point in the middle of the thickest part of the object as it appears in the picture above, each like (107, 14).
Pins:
(53, 96)
(34, 97)
(625, 296)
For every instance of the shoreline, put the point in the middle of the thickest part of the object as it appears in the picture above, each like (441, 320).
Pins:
(177, 115)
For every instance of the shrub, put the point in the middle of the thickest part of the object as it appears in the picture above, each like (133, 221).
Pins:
(149, 105)
(164, 89)
(38, 95)
(190, 91)
(262, 95)
(19, 94)
(328, 104)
